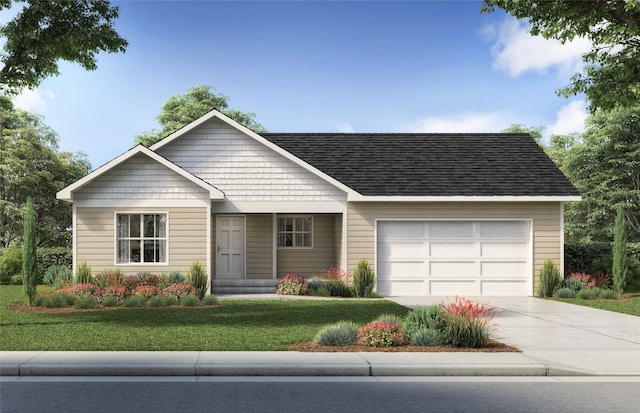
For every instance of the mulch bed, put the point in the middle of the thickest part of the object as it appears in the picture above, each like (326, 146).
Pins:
(24, 308)
(493, 347)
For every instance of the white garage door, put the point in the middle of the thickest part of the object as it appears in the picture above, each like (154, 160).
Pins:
(454, 258)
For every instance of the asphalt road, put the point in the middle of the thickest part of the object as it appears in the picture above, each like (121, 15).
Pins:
(295, 395)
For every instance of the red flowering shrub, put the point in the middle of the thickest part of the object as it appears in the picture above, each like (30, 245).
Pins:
(179, 290)
(83, 290)
(131, 282)
(115, 291)
(467, 322)
(292, 284)
(109, 278)
(586, 279)
(382, 334)
(146, 291)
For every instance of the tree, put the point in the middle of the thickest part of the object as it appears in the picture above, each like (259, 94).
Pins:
(45, 32)
(534, 131)
(620, 261)
(180, 110)
(30, 165)
(611, 76)
(29, 264)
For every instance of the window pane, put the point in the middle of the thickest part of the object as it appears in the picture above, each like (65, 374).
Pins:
(123, 226)
(280, 224)
(134, 251)
(299, 240)
(149, 226)
(289, 224)
(288, 240)
(134, 226)
(306, 224)
(161, 225)
(161, 254)
(149, 251)
(306, 240)
(281, 240)
(123, 251)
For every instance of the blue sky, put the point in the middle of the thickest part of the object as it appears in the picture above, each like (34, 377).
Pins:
(331, 66)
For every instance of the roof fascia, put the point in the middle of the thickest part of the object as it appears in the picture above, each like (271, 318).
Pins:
(243, 129)
(462, 198)
(66, 193)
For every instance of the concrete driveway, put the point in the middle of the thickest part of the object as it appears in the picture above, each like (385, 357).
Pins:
(561, 334)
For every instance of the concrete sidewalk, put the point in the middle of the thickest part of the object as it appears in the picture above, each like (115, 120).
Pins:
(556, 339)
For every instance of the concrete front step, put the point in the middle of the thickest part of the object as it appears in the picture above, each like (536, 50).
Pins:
(222, 286)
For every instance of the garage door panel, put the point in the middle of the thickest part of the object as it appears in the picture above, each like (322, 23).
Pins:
(503, 229)
(402, 269)
(402, 249)
(400, 229)
(462, 287)
(452, 250)
(448, 229)
(453, 268)
(504, 269)
(504, 250)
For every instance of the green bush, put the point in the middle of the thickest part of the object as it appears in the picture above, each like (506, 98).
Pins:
(86, 302)
(174, 277)
(170, 300)
(210, 300)
(190, 301)
(607, 294)
(157, 301)
(337, 288)
(315, 284)
(30, 271)
(574, 284)
(56, 300)
(565, 292)
(549, 280)
(389, 318)
(421, 317)
(50, 256)
(427, 337)
(16, 279)
(135, 301)
(379, 334)
(110, 278)
(586, 294)
(55, 274)
(620, 267)
(110, 301)
(340, 334)
(197, 277)
(464, 331)
(10, 264)
(364, 279)
(83, 274)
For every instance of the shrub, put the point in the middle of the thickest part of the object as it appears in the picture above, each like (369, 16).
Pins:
(111, 301)
(620, 262)
(131, 282)
(379, 334)
(157, 301)
(86, 302)
(30, 272)
(337, 288)
(578, 281)
(174, 277)
(335, 273)
(190, 301)
(10, 264)
(550, 279)
(389, 318)
(16, 279)
(292, 284)
(363, 279)
(56, 300)
(427, 337)
(83, 290)
(422, 317)
(468, 323)
(110, 278)
(210, 300)
(147, 291)
(83, 274)
(51, 256)
(57, 273)
(315, 284)
(342, 333)
(586, 294)
(170, 300)
(607, 294)
(565, 292)
(197, 277)
(135, 301)
(116, 291)
(179, 291)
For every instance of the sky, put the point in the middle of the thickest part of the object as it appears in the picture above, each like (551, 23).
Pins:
(325, 66)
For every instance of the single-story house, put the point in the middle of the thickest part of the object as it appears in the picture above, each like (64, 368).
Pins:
(434, 214)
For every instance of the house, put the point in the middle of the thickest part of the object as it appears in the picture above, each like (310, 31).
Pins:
(435, 214)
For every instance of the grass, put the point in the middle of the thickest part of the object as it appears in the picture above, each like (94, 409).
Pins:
(629, 306)
(236, 326)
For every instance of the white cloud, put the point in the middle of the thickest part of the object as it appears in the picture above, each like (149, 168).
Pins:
(34, 100)
(570, 118)
(462, 122)
(345, 128)
(515, 51)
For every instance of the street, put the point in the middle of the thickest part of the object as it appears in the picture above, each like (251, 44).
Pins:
(318, 394)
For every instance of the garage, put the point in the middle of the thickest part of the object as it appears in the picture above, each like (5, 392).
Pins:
(454, 257)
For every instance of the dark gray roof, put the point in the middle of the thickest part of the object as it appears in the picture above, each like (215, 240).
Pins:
(431, 164)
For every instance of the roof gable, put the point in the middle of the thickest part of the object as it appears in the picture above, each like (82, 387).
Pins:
(432, 165)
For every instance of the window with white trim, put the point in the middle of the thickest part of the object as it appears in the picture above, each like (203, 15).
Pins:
(295, 232)
(141, 238)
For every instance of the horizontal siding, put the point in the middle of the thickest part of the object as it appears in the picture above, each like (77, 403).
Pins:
(545, 216)
(259, 244)
(141, 178)
(244, 169)
(95, 239)
(311, 262)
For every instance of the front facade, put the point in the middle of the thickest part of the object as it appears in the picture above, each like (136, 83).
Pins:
(256, 207)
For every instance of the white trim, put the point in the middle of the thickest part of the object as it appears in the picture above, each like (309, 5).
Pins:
(67, 193)
(230, 207)
(209, 249)
(74, 238)
(215, 114)
(142, 203)
(562, 239)
(361, 198)
(274, 245)
(345, 247)
(244, 245)
(141, 263)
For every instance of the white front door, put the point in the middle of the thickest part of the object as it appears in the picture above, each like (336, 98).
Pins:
(229, 246)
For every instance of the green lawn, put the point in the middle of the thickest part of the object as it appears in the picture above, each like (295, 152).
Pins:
(237, 325)
(631, 306)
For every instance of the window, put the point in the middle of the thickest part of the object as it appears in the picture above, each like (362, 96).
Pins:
(141, 238)
(295, 232)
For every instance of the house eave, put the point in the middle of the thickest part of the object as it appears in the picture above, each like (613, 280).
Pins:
(465, 198)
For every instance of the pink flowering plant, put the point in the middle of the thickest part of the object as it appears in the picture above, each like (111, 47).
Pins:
(131, 282)
(83, 290)
(147, 291)
(335, 273)
(468, 323)
(116, 291)
(179, 290)
(292, 284)
(382, 334)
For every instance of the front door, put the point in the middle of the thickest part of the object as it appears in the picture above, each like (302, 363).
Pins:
(229, 246)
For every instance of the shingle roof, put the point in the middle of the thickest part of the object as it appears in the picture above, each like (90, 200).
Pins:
(431, 164)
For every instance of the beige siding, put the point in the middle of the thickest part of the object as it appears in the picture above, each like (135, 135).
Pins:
(311, 261)
(141, 178)
(545, 215)
(259, 246)
(95, 238)
(337, 240)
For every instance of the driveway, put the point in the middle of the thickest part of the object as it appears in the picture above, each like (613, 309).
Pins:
(562, 334)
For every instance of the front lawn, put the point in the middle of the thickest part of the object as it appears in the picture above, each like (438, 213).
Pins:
(629, 305)
(260, 325)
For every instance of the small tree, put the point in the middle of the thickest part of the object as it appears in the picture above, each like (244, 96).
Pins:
(198, 278)
(620, 261)
(29, 261)
(363, 279)
(550, 279)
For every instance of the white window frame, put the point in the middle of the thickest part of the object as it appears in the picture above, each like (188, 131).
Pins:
(294, 231)
(141, 238)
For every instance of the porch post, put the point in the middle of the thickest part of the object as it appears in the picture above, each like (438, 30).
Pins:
(274, 244)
